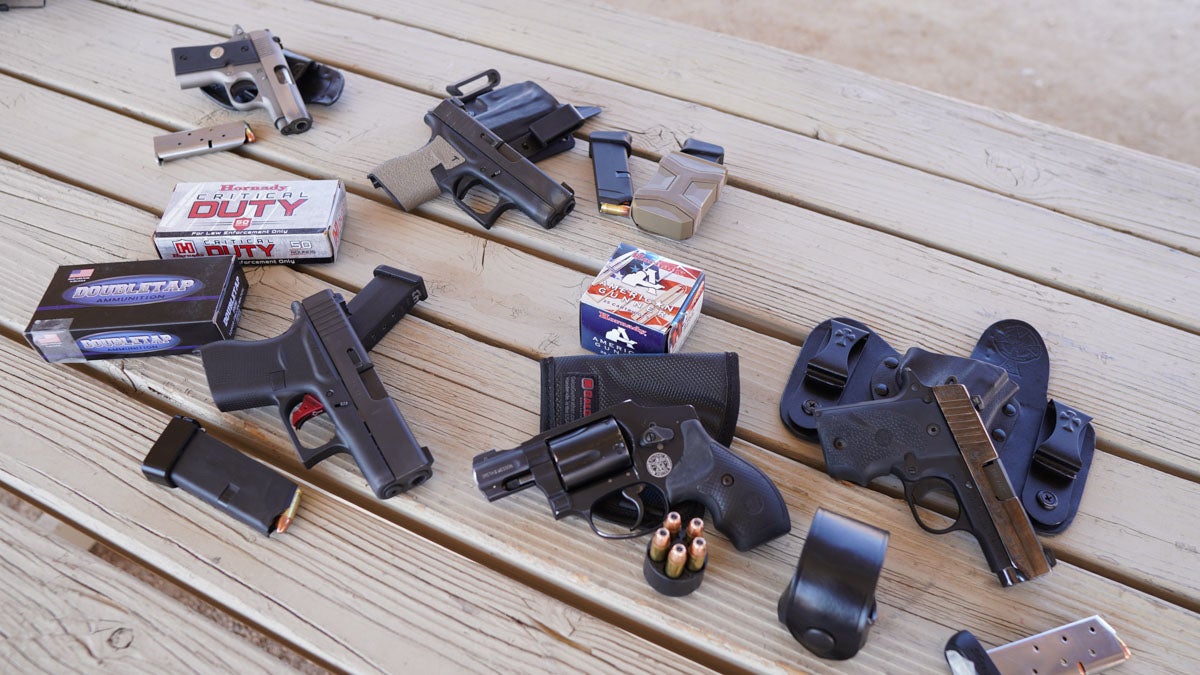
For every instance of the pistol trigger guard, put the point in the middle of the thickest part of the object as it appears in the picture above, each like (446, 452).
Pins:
(484, 218)
(914, 491)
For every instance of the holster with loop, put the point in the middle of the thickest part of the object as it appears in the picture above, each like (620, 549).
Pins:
(575, 386)
(1046, 446)
(524, 115)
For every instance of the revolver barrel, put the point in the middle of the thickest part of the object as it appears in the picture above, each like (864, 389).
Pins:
(499, 473)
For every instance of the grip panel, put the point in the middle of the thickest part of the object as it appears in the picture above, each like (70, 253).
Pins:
(409, 179)
(745, 504)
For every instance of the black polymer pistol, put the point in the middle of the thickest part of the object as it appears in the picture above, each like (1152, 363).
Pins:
(636, 453)
(463, 154)
(933, 440)
(321, 365)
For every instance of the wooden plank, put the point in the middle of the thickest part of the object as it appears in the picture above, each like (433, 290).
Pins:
(529, 305)
(900, 288)
(68, 610)
(459, 408)
(341, 584)
(1062, 252)
(1127, 190)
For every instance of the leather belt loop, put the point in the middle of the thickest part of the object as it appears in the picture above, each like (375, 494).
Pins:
(830, 604)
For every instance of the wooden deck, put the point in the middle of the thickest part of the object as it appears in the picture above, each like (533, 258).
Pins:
(925, 217)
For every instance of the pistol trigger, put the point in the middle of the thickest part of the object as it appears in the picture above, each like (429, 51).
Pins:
(309, 408)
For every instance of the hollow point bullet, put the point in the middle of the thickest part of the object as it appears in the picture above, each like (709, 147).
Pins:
(673, 522)
(676, 560)
(659, 544)
(697, 554)
(695, 528)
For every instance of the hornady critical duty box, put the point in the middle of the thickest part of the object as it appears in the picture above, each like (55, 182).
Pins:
(640, 303)
(285, 222)
(139, 308)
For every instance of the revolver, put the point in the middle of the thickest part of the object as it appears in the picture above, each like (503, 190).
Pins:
(463, 154)
(254, 73)
(933, 440)
(611, 463)
(320, 365)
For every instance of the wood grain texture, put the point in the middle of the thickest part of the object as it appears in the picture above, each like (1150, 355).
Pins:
(341, 584)
(67, 610)
(489, 290)
(1080, 176)
(458, 409)
(1053, 249)
(911, 294)
(1037, 243)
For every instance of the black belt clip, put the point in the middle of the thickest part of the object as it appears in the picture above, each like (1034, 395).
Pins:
(830, 604)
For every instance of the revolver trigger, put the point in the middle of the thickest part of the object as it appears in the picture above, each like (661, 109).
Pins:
(633, 493)
(309, 408)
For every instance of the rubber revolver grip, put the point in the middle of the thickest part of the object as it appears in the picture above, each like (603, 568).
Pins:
(745, 504)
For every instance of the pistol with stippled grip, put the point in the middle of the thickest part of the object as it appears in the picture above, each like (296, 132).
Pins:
(624, 463)
(463, 154)
(321, 365)
(253, 72)
(933, 440)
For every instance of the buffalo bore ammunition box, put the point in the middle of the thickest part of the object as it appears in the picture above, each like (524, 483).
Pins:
(139, 308)
(264, 223)
(640, 303)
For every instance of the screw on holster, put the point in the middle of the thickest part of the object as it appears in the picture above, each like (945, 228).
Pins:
(1010, 409)
(891, 362)
(881, 389)
(1047, 499)
(998, 435)
(809, 406)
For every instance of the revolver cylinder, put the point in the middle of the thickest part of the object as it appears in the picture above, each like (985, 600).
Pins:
(590, 453)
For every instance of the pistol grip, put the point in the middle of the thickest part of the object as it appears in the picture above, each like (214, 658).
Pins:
(413, 179)
(745, 504)
(246, 374)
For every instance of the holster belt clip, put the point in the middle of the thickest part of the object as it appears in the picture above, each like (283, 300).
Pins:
(1059, 454)
(831, 366)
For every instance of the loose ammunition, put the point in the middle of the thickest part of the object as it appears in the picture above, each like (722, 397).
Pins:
(659, 544)
(676, 560)
(695, 528)
(697, 554)
(673, 522)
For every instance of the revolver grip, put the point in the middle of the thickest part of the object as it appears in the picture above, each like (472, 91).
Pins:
(745, 504)
(413, 179)
(247, 373)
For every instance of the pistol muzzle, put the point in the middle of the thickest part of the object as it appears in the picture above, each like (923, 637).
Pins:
(499, 473)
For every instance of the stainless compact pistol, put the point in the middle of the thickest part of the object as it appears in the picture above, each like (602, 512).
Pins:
(247, 72)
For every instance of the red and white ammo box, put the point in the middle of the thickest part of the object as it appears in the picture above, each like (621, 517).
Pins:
(262, 223)
(640, 303)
